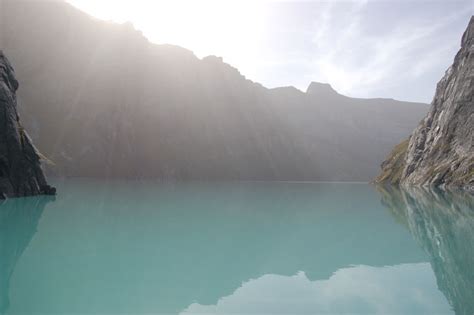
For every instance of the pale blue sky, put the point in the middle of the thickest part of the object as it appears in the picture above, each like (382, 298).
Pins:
(363, 48)
(396, 49)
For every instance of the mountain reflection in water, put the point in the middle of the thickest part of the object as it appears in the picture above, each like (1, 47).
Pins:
(442, 223)
(146, 247)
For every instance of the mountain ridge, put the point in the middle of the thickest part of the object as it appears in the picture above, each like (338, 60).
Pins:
(103, 101)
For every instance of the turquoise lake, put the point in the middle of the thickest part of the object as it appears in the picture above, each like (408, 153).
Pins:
(142, 247)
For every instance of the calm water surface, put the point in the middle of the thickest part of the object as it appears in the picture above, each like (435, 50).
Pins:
(236, 248)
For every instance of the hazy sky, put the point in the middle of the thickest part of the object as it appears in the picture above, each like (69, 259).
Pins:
(385, 48)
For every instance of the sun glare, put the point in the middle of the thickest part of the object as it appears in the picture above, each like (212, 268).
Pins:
(207, 27)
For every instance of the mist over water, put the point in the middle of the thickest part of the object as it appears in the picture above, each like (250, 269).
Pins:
(147, 247)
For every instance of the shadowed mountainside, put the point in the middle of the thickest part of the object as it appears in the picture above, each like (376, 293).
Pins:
(102, 101)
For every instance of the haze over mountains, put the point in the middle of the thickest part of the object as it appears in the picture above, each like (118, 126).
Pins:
(100, 100)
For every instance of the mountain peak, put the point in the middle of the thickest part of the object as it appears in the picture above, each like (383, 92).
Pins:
(320, 89)
(212, 58)
(468, 35)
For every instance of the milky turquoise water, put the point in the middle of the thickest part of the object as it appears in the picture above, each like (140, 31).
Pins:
(129, 247)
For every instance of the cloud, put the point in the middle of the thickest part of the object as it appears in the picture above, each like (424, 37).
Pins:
(362, 64)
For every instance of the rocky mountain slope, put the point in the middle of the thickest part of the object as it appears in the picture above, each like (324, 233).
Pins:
(20, 169)
(102, 101)
(441, 149)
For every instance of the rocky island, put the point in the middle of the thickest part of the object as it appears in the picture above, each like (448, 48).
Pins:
(20, 162)
(440, 152)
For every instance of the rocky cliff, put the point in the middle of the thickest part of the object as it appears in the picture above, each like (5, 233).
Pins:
(440, 152)
(20, 166)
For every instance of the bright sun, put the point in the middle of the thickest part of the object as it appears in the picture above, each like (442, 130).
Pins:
(207, 27)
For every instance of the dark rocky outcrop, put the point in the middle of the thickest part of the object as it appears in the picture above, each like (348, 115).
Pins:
(440, 152)
(20, 166)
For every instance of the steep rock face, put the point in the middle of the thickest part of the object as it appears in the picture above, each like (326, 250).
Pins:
(441, 149)
(102, 101)
(20, 169)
